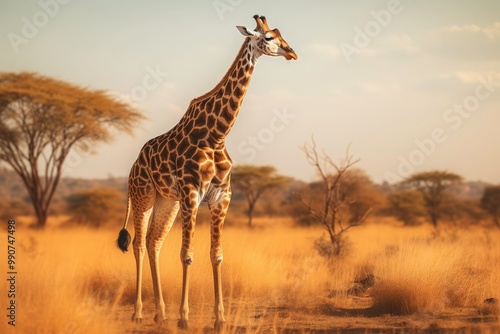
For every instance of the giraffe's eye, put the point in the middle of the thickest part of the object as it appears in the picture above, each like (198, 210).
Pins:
(268, 38)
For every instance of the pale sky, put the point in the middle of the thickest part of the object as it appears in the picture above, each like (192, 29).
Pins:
(409, 85)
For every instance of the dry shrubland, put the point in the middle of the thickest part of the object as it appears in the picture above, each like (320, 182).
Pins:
(74, 280)
(436, 274)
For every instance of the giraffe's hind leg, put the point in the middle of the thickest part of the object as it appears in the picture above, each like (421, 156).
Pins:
(164, 213)
(141, 221)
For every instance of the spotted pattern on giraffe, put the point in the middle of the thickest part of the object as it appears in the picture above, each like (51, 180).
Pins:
(187, 165)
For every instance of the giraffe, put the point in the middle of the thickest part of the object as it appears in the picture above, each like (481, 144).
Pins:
(188, 165)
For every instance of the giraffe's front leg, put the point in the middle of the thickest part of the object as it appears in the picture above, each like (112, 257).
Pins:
(218, 215)
(189, 210)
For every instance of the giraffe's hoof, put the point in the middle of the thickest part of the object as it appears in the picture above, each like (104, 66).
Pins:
(183, 324)
(137, 317)
(220, 326)
(160, 319)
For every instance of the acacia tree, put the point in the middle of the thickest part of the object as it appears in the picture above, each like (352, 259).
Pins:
(253, 181)
(42, 119)
(335, 206)
(433, 185)
(490, 201)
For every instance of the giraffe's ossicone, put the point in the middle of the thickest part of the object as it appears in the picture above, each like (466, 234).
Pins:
(189, 165)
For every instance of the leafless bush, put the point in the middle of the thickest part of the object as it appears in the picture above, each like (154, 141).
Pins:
(332, 209)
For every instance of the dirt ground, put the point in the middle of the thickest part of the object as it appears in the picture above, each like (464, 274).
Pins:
(248, 317)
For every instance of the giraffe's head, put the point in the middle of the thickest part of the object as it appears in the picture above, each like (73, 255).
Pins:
(267, 41)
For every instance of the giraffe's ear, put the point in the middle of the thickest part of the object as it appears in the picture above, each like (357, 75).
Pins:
(248, 33)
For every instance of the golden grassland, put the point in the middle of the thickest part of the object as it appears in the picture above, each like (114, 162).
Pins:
(75, 280)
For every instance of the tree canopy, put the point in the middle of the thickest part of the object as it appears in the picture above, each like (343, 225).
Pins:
(253, 181)
(432, 185)
(42, 119)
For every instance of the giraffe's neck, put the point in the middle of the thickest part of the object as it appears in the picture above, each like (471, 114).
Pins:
(216, 110)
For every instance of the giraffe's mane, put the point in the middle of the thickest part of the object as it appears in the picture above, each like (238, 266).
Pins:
(225, 77)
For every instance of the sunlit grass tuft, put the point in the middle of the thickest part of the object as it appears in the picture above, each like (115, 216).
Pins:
(432, 275)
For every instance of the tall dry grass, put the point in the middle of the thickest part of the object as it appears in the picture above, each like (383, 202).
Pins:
(50, 298)
(418, 272)
(76, 281)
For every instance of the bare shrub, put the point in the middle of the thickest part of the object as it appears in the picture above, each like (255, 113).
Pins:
(326, 248)
(337, 208)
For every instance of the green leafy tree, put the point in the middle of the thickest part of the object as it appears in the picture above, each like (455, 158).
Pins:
(42, 119)
(253, 181)
(490, 201)
(433, 185)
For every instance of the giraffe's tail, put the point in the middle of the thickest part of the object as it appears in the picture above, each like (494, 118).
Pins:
(124, 237)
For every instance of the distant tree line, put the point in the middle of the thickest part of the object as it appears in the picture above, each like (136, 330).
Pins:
(458, 202)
